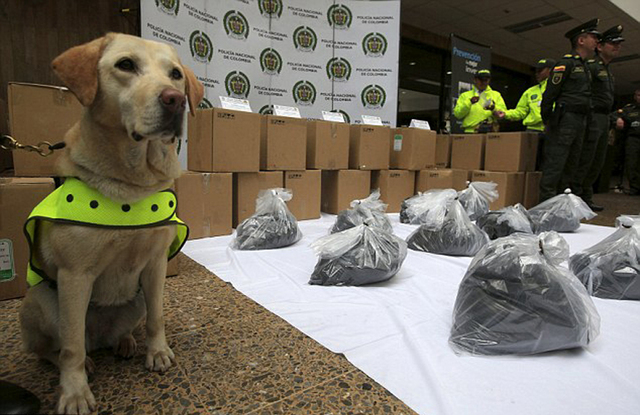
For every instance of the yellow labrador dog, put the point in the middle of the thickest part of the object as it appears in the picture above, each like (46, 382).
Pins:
(106, 280)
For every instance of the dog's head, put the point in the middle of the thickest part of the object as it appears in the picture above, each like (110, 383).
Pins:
(137, 84)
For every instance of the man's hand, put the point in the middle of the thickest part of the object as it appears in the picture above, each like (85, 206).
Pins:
(619, 124)
(498, 114)
(475, 99)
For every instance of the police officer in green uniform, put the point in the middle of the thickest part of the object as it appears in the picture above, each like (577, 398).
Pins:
(478, 107)
(629, 121)
(566, 104)
(594, 148)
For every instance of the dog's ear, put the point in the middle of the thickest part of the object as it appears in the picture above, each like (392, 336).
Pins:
(77, 68)
(195, 90)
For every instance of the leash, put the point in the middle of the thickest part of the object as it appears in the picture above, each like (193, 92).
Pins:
(44, 148)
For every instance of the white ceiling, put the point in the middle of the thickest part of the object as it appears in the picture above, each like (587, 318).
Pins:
(484, 20)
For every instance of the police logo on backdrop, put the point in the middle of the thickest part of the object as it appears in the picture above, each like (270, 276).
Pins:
(339, 16)
(305, 39)
(205, 104)
(347, 119)
(304, 93)
(374, 44)
(169, 7)
(373, 97)
(237, 85)
(266, 110)
(338, 69)
(236, 25)
(270, 61)
(201, 46)
(270, 8)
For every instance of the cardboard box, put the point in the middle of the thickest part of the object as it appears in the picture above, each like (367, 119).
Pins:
(246, 187)
(39, 113)
(441, 179)
(305, 185)
(510, 186)
(18, 197)
(443, 151)
(532, 189)
(205, 203)
(283, 143)
(412, 149)
(395, 186)
(511, 151)
(467, 151)
(369, 147)
(340, 187)
(327, 145)
(224, 141)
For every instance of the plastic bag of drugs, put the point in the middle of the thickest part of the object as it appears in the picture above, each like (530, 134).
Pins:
(370, 209)
(611, 268)
(272, 226)
(621, 218)
(516, 299)
(561, 213)
(476, 197)
(505, 221)
(453, 234)
(360, 255)
(427, 207)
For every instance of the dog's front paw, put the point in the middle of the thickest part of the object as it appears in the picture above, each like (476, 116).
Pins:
(159, 358)
(76, 400)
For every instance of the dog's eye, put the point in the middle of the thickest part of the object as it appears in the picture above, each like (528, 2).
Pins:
(176, 74)
(126, 65)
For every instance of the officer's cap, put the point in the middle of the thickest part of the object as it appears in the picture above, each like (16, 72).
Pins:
(483, 73)
(589, 27)
(545, 63)
(612, 35)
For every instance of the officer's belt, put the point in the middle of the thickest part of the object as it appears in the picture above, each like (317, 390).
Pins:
(576, 109)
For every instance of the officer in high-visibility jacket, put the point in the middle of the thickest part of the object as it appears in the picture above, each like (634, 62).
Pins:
(478, 107)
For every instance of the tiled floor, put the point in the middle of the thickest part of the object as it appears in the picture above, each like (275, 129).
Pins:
(233, 357)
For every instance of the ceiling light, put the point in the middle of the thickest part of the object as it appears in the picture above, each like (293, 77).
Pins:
(412, 63)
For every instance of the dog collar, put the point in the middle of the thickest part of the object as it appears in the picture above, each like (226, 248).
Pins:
(76, 203)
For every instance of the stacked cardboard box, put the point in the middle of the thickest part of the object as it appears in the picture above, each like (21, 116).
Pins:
(369, 147)
(441, 179)
(395, 186)
(412, 149)
(443, 151)
(340, 187)
(467, 151)
(327, 145)
(305, 186)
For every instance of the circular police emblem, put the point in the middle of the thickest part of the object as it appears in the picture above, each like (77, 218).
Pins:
(374, 44)
(373, 96)
(237, 85)
(169, 7)
(201, 46)
(347, 119)
(305, 39)
(266, 110)
(236, 25)
(339, 16)
(270, 61)
(205, 104)
(270, 8)
(304, 93)
(338, 69)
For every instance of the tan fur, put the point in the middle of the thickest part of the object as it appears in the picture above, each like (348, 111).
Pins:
(108, 280)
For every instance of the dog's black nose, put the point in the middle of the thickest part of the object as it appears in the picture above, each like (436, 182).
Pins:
(173, 100)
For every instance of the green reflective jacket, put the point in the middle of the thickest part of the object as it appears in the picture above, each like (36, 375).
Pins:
(76, 203)
(528, 108)
(473, 114)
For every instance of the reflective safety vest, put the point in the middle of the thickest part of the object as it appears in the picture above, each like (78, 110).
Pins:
(528, 108)
(78, 204)
(474, 114)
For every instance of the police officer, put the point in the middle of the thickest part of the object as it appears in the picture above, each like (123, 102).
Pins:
(528, 108)
(629, 121)
(566, 104)
(594, 148)
(476, 107)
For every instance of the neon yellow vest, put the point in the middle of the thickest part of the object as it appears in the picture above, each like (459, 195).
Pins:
(76, 203)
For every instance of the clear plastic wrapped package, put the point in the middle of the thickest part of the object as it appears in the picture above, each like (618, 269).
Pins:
(370, 209)
(504, 222)
(516, 299)
(452, 234)
(427, 207)
(361, 255)
(476, 197)
(611, 268)
(272, 226)
(561, 213)
(621, 218)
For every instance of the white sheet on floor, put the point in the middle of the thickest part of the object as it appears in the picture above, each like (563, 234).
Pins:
(397, 332)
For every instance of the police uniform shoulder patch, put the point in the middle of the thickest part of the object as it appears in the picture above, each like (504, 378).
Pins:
(557, 77)
(559, 68)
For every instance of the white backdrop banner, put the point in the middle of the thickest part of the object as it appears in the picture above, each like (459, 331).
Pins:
(317, 55)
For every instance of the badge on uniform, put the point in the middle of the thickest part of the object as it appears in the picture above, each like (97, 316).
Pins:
(557, 78)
